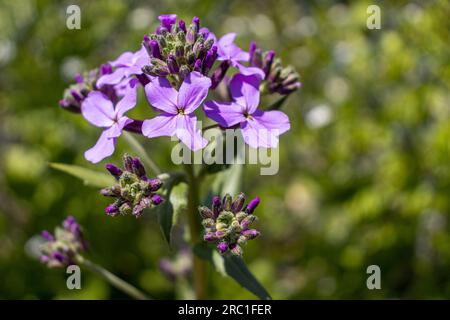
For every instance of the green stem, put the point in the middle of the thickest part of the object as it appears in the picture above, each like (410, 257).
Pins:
(199, 265)
(115, 281)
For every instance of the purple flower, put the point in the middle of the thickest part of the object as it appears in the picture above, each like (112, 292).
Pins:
(101, 112)
(177, 108)
(127, 64)
(229, 51)
(259, 128)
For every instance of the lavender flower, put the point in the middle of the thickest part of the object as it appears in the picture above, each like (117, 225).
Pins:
(175, 50)
(177, 109)
(76, 93)
(63, 248)
(229, 51)
(228, 223)
(276, 78)
(100, 111)
(126, 65)
(259, 128)
(134, 191)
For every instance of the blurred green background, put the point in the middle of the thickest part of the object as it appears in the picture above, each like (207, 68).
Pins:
(364, 176)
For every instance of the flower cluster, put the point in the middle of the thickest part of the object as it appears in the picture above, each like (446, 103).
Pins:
(175, 49)
(228, 223)
(176, 66)
(64, 247)
(134, 191)
(276, 78)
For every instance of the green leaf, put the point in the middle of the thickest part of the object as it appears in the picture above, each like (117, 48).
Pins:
(140, 151)
(175, 203)
(90, 177)
(234, 267)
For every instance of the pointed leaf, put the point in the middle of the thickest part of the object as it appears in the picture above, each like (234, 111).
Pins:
(233, 267)
(90, 177)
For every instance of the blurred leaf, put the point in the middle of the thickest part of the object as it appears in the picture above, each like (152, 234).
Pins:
(233, 267)
(89, 177)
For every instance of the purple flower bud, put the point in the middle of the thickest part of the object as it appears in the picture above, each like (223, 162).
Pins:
(114, 170)
(79, 78)
(268, 60)
(236, 249)
(156, 199)
(182, 25)
(128, 162)
(251, 51)
(167, 20)
(250, 234)
(204, 32)
(222, 247)
(111, 210)
(155, 184)
(198, 65)
(196, 22)
(154, 46)
(105, 69)
(172, 64)
(227, 202)
(209, 60)
(47, 235)
(68, 222)
(76, 95)
(210, 236)
(219, 74)
(191, 34)
(138, 168)
(58, 256)
(247, 221)
(217, 206)
(252, 205)
(238, 203)
(205, 212)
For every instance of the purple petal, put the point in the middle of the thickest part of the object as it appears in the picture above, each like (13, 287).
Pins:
(129, 99)
(227, 39)
(226, 114)
(123, 60)
(193, 91)
(247, 71)
(162, 125)
(276, 120)
(102, 149)
(263, 128)
(161, 95)
(188, 132)
(98, 110)
(245, 91)
(239, 55)
(112, 78)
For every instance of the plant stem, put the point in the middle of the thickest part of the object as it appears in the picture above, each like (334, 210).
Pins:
(199, 265)
(115, 281)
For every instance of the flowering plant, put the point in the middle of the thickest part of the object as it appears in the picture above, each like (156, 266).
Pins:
(178, 67)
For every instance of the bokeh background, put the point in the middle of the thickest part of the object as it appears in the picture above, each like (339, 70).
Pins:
(364, 176)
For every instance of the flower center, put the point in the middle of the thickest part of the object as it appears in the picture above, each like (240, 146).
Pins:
(180, 111)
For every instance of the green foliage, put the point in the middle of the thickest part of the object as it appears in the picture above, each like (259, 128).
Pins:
(364, 171)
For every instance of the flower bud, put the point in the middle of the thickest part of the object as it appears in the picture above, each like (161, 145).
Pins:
(222, 247)
(247, 221)
(205, 212)
(112, 210)
(182, 25)
(238, 203)
(115, 171)
(252, 205)
(227, 202)
(250, 234)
